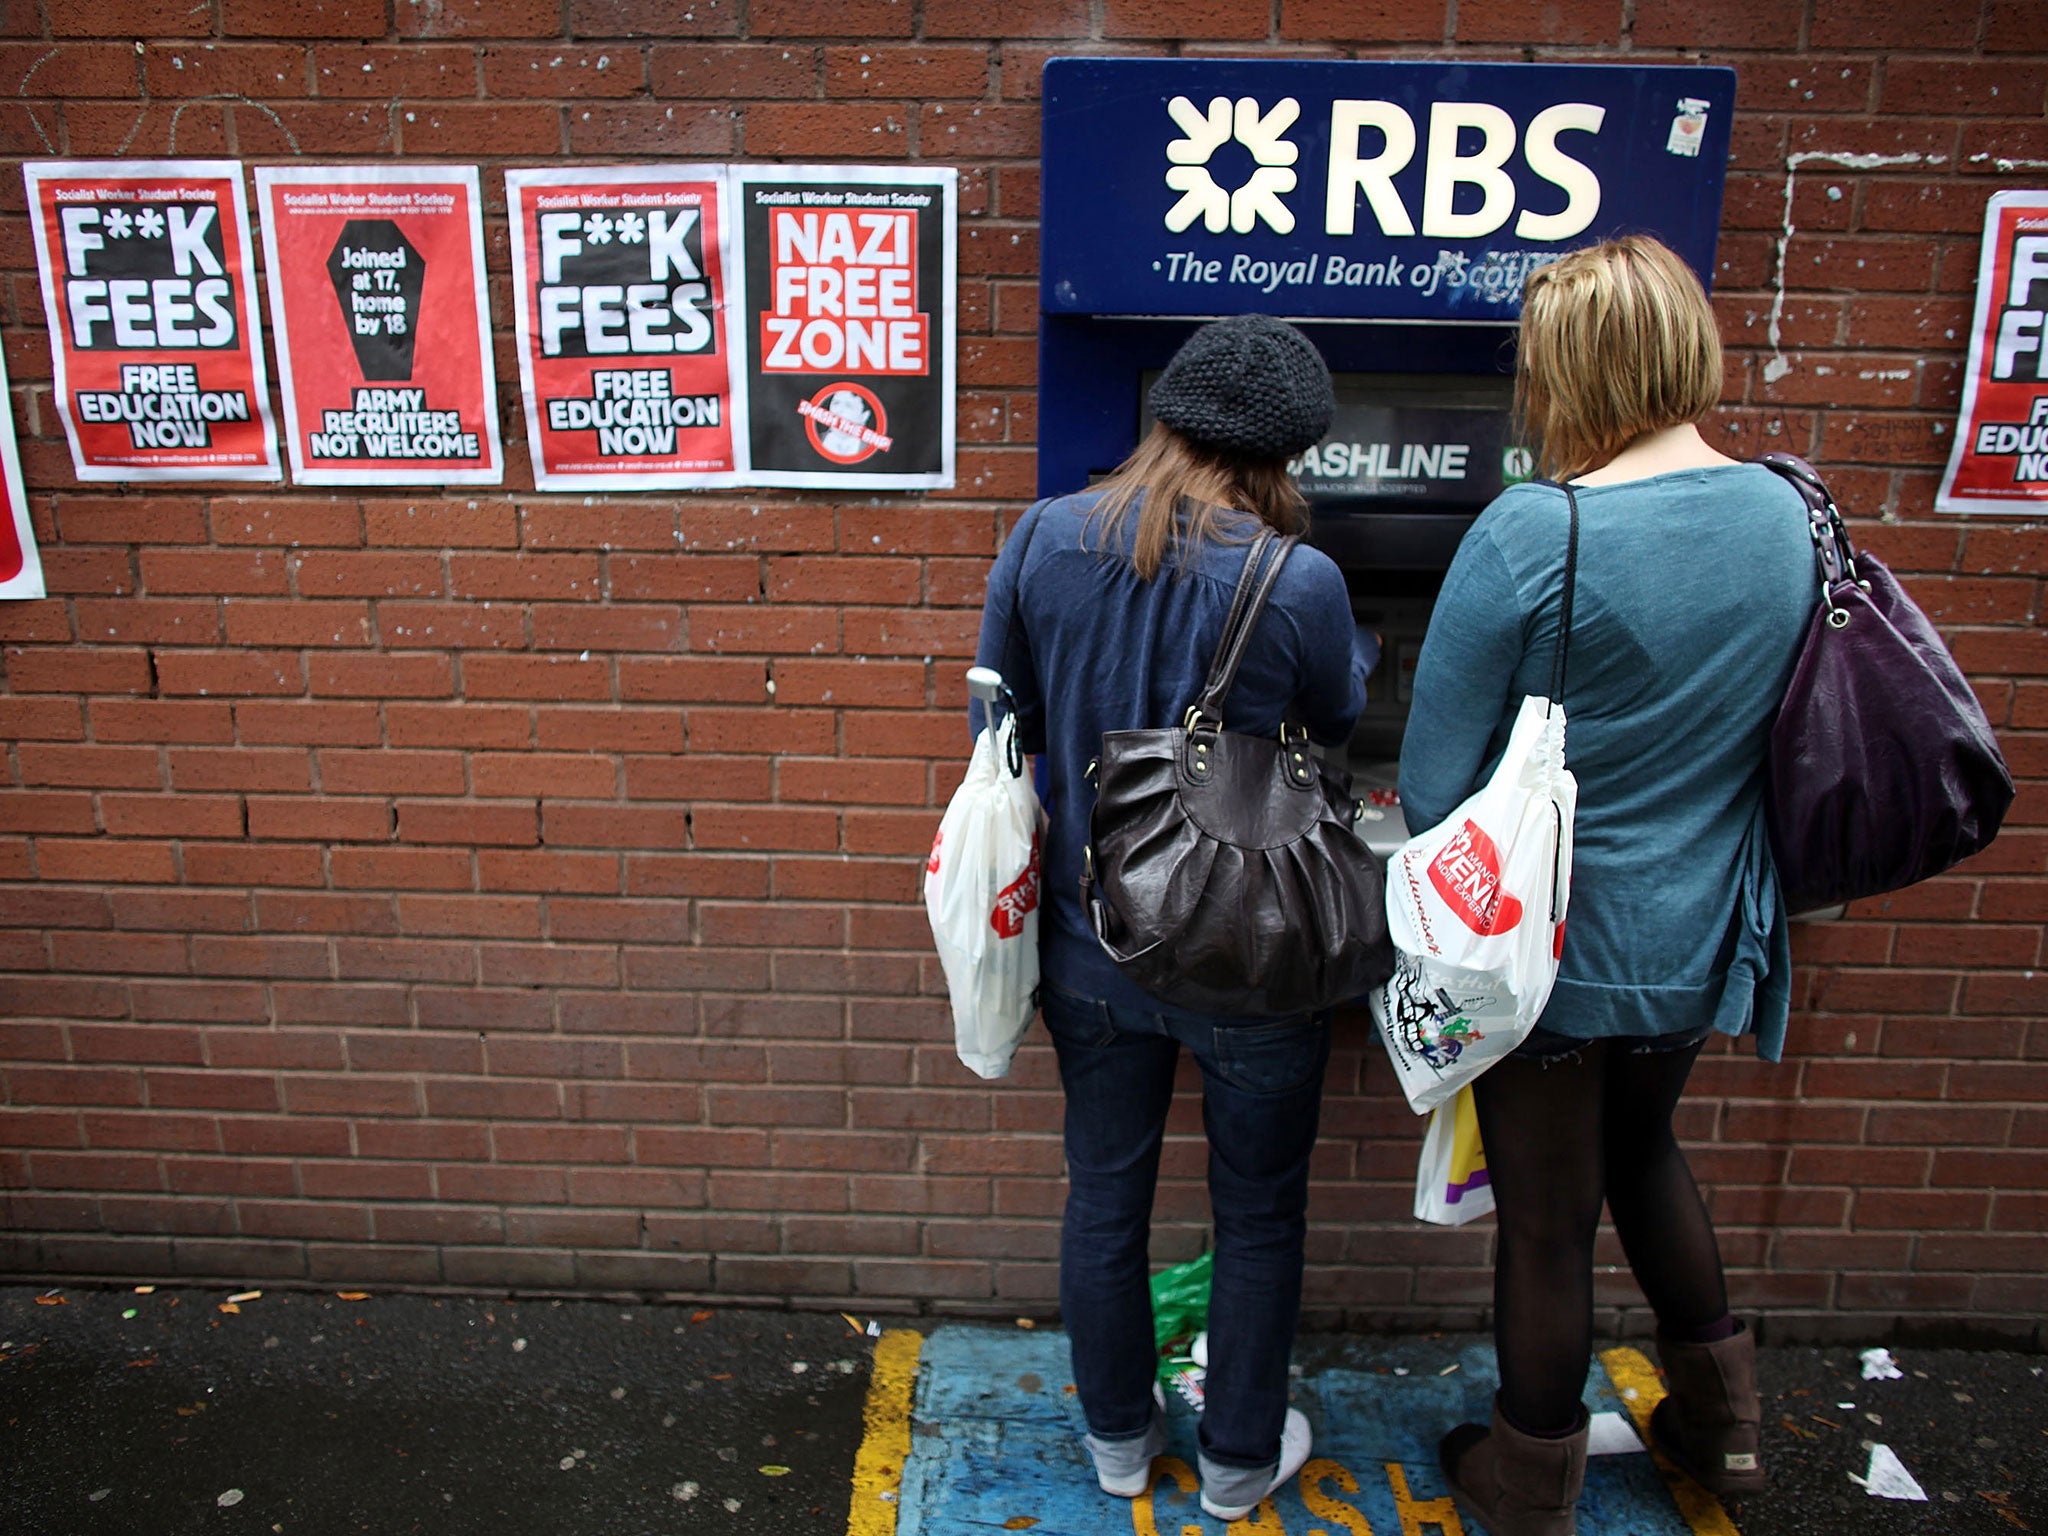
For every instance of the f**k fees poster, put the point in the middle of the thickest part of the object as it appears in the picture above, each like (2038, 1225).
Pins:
(21, 567)
(619, 275)
(847, 307)
(1999, 462)
(383, 327)
(157, 351)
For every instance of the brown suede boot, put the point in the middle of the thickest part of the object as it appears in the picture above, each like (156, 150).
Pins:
(1708, 1426)
(1515, 1484)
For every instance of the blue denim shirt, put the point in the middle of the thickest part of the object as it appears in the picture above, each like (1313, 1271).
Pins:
(1088, 646)
(1694, 592)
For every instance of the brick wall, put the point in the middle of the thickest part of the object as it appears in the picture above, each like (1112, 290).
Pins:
(420, 891)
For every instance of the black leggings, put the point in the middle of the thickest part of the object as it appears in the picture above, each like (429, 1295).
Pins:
(1560, 1136)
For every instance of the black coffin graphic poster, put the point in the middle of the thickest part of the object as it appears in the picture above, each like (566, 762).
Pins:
(846, 310)
(379, 246)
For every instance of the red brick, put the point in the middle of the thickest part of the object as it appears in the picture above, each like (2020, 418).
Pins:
(27, 811)
(210, 571)
(381, 676)
(329, 820)
(646, 128)
(298, 623)
(448, 128)
(33, 719)
(920, 74)
(1578, 22)
(609, 730)
(442, 524)
(850, 130)
(544, 870)
(160, 621)
(370, 773)
(1362, 21)
(685, 578)
(467, 822)
(413, 869)
(68, 670)
(480, 18)
(734, 71)
(1874, 24)
(105, 860)
(381, 73)
(97, 767)
(560, 72)
(228, 672)
(284, 520)
(634, 18)
(458, 725)
(531, 775)
(247, 864)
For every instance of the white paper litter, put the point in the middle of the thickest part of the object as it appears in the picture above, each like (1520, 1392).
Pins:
(1878, 1365)
(1888, 1477)
(1613, 1435)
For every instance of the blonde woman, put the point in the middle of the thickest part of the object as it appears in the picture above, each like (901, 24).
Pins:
(1695, 581)
(1103, 612)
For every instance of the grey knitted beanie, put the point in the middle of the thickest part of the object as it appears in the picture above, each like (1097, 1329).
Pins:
(1249, 384)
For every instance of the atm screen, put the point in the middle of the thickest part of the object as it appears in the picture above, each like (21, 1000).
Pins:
(1425, 439)
(1430, 441)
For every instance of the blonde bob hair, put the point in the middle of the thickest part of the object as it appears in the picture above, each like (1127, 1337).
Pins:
(1617, 340)
(1187, 493)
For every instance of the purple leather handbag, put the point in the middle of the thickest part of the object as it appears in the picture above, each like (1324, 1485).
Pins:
(1883, 769)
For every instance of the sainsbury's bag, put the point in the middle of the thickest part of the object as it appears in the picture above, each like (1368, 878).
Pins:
(1451, 1186)
(1476, 905)
(981, 893)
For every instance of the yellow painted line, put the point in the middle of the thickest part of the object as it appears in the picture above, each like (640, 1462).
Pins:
(885, 1435)
(1641, 1390)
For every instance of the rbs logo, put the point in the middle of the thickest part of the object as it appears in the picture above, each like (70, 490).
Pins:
(1371, 142)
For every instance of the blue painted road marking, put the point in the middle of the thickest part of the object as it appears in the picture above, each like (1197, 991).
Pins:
(996, 1429)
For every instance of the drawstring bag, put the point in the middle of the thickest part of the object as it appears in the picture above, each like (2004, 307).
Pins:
(981, 887)
(1476, 905)
(1451, 1186)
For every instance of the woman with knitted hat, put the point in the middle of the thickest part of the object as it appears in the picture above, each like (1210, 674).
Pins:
(1103, 612)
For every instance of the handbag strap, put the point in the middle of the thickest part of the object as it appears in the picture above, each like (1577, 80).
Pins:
(1834, 557)
(1564, 611)
(1244, 618)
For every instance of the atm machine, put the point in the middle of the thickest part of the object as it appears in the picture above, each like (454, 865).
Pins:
(1392, 211)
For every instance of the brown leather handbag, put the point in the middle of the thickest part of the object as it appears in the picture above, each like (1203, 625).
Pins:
(1223, 873)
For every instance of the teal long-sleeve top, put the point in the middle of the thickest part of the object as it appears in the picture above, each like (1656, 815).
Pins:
(1693, 595)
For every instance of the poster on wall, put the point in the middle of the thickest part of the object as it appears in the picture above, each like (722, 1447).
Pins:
(1999, 461)
(157, 351)
(618, 278)
(845, 305)
(21, 567)
(377, 299)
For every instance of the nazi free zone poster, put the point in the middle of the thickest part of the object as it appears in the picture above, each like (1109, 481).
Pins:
(157, 351)
(846, 302)
(377, 298)
(619, 274)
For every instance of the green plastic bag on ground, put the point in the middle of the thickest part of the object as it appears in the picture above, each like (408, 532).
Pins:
(1180, 1310)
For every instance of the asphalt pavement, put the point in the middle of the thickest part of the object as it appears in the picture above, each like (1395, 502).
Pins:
(305, 1414)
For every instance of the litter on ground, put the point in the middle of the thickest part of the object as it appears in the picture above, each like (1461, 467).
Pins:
(1878, 1365)
(1888, 1477)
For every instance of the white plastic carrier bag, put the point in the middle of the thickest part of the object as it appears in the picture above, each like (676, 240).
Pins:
(981, 887)
(1451, 1185)
(1476, 905)
(1476, 908)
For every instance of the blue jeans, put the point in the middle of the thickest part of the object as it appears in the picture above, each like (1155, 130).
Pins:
(1262, 1090)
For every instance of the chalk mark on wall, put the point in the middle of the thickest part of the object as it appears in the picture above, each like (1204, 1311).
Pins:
(1780, 365)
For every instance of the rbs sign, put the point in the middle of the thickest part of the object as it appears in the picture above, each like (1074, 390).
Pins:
(1363, 190)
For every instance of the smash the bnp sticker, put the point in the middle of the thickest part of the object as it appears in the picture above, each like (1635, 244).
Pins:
(845, 422)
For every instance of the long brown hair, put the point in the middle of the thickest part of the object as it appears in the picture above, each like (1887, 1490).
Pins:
(1192, 493)
(1617, 340)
